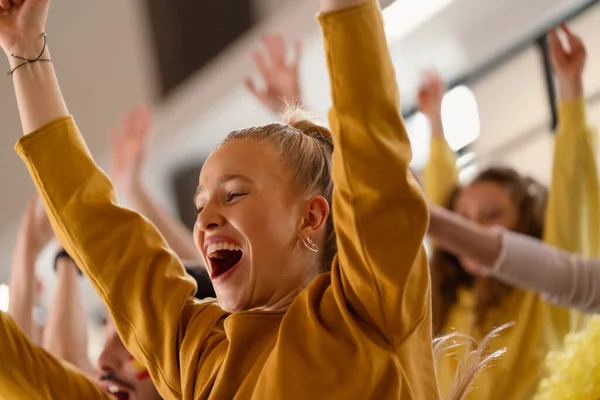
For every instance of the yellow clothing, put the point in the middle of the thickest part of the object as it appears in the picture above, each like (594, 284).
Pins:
(362, 331)
(440, 177)
(571, 223)
(29, 372)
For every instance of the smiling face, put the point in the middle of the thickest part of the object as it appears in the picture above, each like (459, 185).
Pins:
(119, 373)
(250, 224)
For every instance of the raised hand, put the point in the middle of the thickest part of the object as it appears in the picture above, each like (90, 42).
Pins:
(22, 23)
(35, 231)
(431, 93)
(128, 148)
(280, 75)
(568, 62)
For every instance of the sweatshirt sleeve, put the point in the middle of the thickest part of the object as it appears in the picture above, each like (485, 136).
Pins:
(572, 218)
(29, 372)
(562, 278)
(379, 211)
(139, 278)
(441, 173)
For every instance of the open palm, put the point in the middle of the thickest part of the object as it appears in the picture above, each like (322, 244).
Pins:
(35, 226)
(280, 75)
(128, 148)
(431, 93)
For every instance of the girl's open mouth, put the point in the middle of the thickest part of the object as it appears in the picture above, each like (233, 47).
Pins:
(223, 260)
(118, 392)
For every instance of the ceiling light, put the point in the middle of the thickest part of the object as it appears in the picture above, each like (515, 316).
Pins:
(404, 16)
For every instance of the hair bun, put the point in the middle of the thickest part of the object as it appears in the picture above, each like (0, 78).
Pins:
(303, 121)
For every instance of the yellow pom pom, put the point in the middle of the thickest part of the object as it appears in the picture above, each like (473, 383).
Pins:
(574, 371)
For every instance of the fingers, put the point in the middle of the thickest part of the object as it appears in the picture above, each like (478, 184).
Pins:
(574, 41)
(249, 83)
(261, 63)
(431, 82)
(31, 206)
(142, 118)
(276, 50)
(556, 50)
(136, 123)
(565, 28)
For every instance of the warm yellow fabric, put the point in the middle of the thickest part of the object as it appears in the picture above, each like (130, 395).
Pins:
(29, 372)
(362, 331)
(573, 219)
(440, 176)
(572, 224)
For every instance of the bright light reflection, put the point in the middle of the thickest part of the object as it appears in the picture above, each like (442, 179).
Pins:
(3, 298)
(404, 16)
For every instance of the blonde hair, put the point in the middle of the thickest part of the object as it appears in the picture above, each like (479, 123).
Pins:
(307, 148)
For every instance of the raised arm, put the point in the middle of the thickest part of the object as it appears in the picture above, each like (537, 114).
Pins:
(441, 173)
(128, 151)
(379, 211)
(141, 281)
(572, 218)
(65, 333)
(279, 73)
(521, 261)
(34, 233)
(28, 372)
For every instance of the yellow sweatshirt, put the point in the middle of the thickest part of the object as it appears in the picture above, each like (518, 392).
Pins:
(29, 372)
(362, 331)
(572, 223)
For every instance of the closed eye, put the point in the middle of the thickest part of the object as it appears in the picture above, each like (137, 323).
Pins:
(199, 210)
(234, 195)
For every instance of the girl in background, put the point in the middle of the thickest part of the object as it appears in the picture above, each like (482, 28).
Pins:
(470, 303)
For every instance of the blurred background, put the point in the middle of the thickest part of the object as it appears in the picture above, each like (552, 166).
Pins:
(187, 59)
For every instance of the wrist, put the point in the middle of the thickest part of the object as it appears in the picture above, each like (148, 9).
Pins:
(134, 191)
(436, 124)
(571, 88)
(28, 246)
(28, 45)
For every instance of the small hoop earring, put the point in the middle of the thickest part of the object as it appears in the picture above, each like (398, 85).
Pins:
(309, 244)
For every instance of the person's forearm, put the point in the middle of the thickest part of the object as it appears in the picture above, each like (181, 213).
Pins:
(332, 5)
(436, 125)
(570, 88)
(464, 238)
(38, 95)
(65, 335)
(177, 235)
(22, 287)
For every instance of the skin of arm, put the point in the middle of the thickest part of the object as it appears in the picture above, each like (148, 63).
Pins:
(34, 233)
(441, 173)
(128, 142)
(65, 335)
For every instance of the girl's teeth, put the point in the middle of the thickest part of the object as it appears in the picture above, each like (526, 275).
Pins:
(213, 248)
